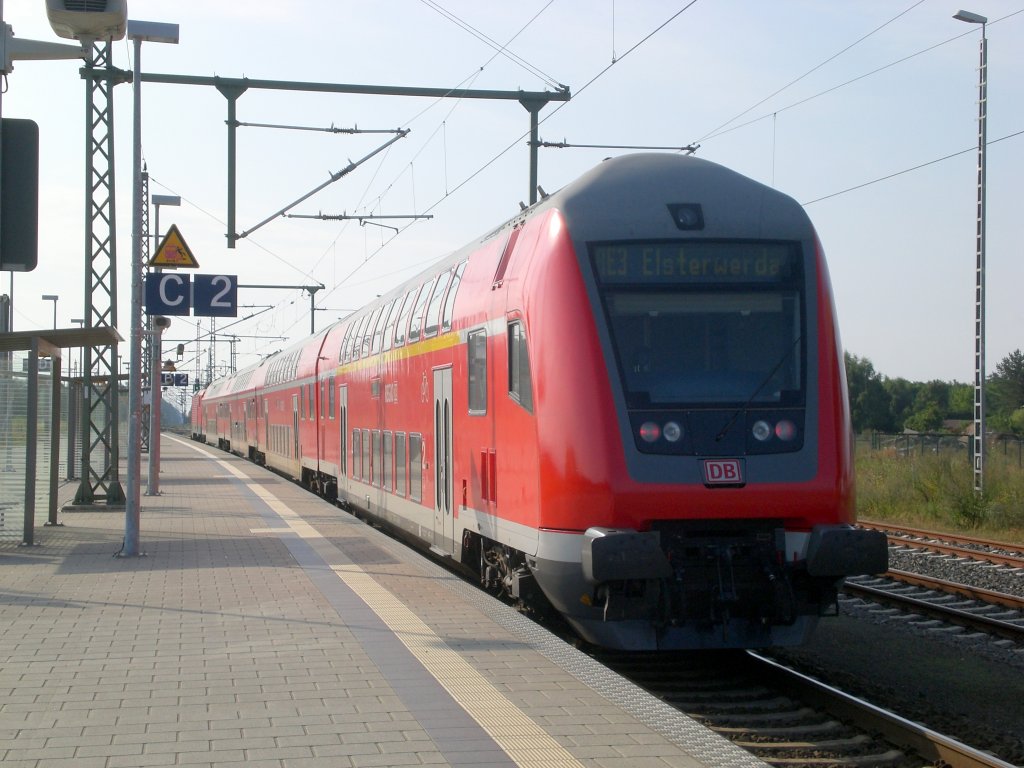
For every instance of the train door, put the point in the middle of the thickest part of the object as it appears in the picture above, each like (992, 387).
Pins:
(266, 425)
(343, 483)
(444, 519)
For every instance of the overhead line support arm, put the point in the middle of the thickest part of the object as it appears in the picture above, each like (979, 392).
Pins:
(232, 88)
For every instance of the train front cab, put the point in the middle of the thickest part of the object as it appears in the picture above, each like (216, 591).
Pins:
(697, 492)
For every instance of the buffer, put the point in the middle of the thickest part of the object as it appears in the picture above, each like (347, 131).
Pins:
(174, 252)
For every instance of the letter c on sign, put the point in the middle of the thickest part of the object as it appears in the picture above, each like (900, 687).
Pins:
(164, 295)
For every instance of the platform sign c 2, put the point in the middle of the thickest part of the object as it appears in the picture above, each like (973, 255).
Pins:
(176, 293)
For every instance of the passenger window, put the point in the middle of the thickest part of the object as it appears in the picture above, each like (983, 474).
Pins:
(477, 351)
(375, 462)
(343, 348)
(357, 454)
(368, 333)
(416, 467)
(519, 386)
(403, 318)
(350, 335)
(378, 331)
(357, 337)
(449, 302)
(366, 455)
(434, 307)
(389, 456)
(389, 326)
(416, 321)
(400, 468)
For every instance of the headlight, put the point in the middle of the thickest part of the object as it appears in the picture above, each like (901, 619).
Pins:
(672, 432)
(762, 431)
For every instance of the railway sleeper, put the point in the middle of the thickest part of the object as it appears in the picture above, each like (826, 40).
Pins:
(846, 744)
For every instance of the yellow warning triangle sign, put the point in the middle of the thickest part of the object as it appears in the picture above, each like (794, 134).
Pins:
(173, 252)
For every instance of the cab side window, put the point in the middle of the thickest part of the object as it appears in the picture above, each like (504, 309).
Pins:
(520, 388)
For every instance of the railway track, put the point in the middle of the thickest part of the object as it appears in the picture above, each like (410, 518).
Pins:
(985, 550)
(974, 608)
(788, 719)
(962, 602)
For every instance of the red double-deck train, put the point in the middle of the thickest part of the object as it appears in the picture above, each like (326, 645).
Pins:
(630, 399)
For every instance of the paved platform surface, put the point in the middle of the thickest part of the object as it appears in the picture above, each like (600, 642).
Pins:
(264, 626)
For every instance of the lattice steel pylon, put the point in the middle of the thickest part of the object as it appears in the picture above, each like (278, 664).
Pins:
(100, 454)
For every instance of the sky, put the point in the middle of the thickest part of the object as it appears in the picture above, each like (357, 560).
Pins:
(864, 111)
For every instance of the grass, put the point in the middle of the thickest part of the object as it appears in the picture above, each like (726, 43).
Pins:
(936, 491)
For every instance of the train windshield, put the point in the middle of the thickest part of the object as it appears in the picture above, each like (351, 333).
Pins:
(706, 323)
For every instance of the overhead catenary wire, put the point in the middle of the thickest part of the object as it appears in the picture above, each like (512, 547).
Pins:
(813, 69)
(909, 170)
(502, 49)
(851, 81)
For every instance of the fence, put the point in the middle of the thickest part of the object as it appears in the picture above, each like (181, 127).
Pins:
(923, 443)
(13, 436)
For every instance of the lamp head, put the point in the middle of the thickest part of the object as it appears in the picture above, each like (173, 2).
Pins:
(970, 18)
(96, 20)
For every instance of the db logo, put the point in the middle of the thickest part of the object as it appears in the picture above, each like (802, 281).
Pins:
(723, 472)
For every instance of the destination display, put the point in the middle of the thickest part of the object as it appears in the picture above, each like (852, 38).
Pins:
(694, 262)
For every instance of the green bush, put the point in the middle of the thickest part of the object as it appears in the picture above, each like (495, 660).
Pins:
(936, 490)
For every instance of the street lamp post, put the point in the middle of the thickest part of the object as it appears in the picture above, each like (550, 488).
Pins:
(51, 297)
(138, 32)
(979, 285)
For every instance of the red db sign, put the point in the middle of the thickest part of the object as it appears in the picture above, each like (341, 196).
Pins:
(723, 472)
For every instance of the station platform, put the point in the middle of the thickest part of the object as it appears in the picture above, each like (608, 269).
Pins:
(264, 626)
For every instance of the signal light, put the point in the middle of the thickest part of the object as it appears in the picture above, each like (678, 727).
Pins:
(785, 430)
(649, 431)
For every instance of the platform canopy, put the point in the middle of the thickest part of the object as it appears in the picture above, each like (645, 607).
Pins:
(60, 338)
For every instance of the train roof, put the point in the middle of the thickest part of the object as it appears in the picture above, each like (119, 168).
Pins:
(631, 192)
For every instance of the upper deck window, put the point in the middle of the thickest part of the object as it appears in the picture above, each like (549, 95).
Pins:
(449, 302)
(416, 320)
(433, 321)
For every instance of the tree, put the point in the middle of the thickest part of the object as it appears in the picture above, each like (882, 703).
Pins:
(902, 394)
(928, 409)
(961, 401)
(1006, 386)
(869, 402)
